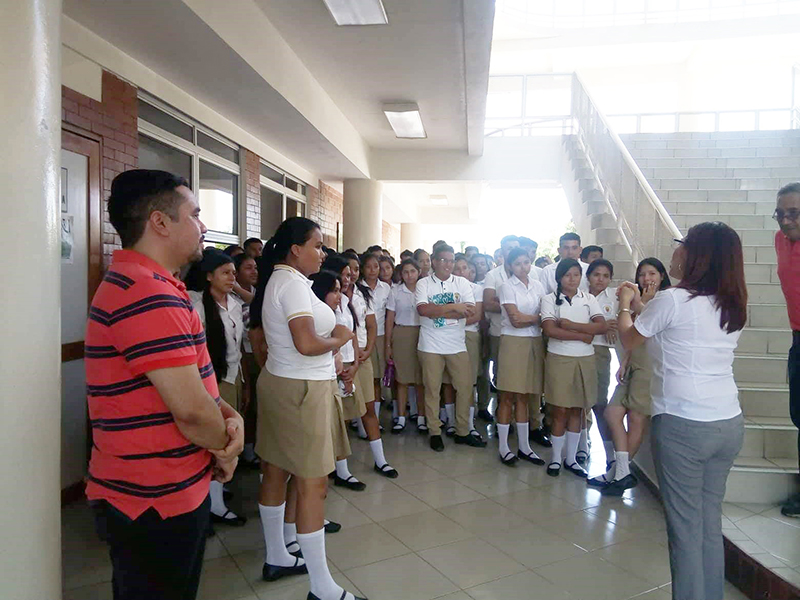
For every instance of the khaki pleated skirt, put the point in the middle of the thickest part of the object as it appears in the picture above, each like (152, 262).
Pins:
(570, 381)
(407, 369)
(356, 405)
(521, 365)
(634, 394)
(378, 357)
(295, 431)
(473, 339)
(341, 443)
(232, 392)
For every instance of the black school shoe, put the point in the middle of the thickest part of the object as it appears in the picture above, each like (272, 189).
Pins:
(539, 436)
(476, 441)
(351, 483)
(342, 597)
(332, 527)
(485, 415)
(618, 486)
(531, 458)
(576, 469)
(273, 573)
(436, 443)
(554, 469)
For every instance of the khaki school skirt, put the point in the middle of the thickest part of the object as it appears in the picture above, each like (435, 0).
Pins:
(341, 443)
(232, 392)
(570, 381)
(634, 394)
(521, 365)
(294, 425)
(355, 405)
(407, 369)
(378, 357)
(473, 339)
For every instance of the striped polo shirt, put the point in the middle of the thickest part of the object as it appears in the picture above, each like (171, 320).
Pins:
(140, 320)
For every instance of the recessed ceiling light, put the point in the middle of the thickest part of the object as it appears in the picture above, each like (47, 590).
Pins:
(438, 200)
(405, 120)
(357, 12)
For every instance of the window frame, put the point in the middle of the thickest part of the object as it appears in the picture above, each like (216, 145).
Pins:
(286, 192)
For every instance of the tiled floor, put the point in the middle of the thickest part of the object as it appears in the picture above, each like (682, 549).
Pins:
(455, 526)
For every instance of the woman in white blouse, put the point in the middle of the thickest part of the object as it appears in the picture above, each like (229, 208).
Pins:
(295, 434)
(402, 337)
(463, 268)
(697, 426)
(521, 356)
(370, 273)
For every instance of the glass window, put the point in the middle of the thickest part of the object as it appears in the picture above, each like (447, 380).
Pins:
(155, 155)
(504, 98)
(271, 174)
(271, 211)
(157, 117)
(295, 186)
(214, 145)
(218, 196)
(295, 208)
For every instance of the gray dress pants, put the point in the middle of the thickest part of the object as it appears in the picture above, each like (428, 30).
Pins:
(693, 459)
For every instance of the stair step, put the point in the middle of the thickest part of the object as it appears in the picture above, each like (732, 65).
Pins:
(761, 274)
(721, 173)
(684, 221)
(764, 401)
(742, 152)
(675, 144)
(721, 183)
(756, 341)
(760, 485)
(717, 208)
(767, 315)
(713, 135)
(759, 369)
(703, 195)
(720, 162)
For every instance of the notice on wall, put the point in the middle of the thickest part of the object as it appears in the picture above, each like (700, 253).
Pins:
(67, 239)
(64, 199)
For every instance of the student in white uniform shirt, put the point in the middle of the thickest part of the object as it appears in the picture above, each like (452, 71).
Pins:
(221, 316)
(569, 246)
(402, 339)
(589, 254)
(532, 249)
(463, 268)
(522, 356)
(691, 332)
(444, 302)
(570, 318)
(370, 274)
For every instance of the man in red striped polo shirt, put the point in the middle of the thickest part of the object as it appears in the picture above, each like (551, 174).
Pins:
(160, 430)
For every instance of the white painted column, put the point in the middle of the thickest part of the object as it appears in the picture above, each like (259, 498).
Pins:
(410, 236)
(30, 339)
(363, 213)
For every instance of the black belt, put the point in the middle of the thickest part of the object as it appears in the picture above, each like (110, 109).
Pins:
(795, 337)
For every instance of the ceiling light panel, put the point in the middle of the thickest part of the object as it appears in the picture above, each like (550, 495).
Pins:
(357, 12)
(438, 200)
(405, 120)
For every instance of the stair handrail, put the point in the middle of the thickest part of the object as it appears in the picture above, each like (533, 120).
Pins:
(629, 160)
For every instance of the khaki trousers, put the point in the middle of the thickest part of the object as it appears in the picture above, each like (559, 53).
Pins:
(459, 369)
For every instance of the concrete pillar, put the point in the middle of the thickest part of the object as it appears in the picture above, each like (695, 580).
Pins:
(410, 236)
(363, 213)
(30, 339)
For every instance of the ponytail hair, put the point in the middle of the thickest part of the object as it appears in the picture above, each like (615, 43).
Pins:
(215, 335)
(359, 283)
(294, 231)
(564, 265)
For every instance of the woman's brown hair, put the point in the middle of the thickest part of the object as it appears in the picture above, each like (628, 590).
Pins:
(715, 267)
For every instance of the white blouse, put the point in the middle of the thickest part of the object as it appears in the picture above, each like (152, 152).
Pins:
(477, 292)
(527, 299)
(234, 331)
(288, 296)
(580, 310)
(609, 305)
(380, 297)
(345, 317)
(362, 311)
(404, 305)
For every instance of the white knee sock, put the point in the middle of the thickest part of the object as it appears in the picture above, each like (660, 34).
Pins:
(623, 465)
(572, 447)
(362, 433)
(342, 469)
(558, 448)
(412, 400)
(421, 421)
(290, 536)
(502, 438)
(522, 438)
(443, 416)
(450, 409)
(217, 500)
(471, 418)
(611, 470)
(401, 421)
(322, 584)
(377, 452)
(378, 410)
(272, 526)
(583, 444)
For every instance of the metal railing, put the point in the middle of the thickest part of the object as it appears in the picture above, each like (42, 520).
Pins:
(644, 224)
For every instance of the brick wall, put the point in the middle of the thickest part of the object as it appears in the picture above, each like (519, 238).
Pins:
(252, 181)
(325, 206)
(390, 239)
(114, 120)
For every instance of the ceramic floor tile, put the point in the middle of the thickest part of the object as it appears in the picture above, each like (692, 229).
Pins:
(239, 539)
(483, 518)
(636, 519)
(222, 580)
(296, 589)
(471, 562)
(775, 513)
(733, 593)
(215, 548)
(444, 492)
(389, 504)
(735, 534)
(790, 575)
(655, 594)
(588, 531)
(456, 596)
(735, 512)
(402, 578)
(526, 585)
(366, 474)
(97, 591)
(426, 529)
(532, 546)
(750, 547)
(755, 508)
(536, 504)
(533, 475)
(590, 578)
(362, 546)
(575, 490)
(454, 462)
(768, 560)
(773, 536)
(417, 472)
(645, 558)
(345, 513)
(250, 564)
(494, 482)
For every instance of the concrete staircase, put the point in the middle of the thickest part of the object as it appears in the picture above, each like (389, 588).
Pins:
(733, 178)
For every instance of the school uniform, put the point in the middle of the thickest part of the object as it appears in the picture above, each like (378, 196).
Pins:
(473, 337)
(350, 407)
(570, 371)
(609, 305)
(522, 352)
(442, 347)
(230, 386)
(294, 414)
(634, 393)
(548, 278)
(405, 335)
(365, 390)
(380, 297)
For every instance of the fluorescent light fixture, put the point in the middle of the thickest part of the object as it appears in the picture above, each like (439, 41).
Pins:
(405, 120)
(357, 12)
(438, 200)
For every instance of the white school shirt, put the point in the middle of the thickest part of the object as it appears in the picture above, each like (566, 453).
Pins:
(248, 347)
(345, 317)
(380, 296)
(288, 296)
(493, 280)
(234, 331)
(440, 335)
(548, 278)
(362, 311)
(581, 310)
(477, 292)
(403, 303)
(692, 357)
(609, 305)
(527, 299)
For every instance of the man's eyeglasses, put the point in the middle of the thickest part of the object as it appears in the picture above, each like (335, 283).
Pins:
(779, 215)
